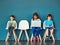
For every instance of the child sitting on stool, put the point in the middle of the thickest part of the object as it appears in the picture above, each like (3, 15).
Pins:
(11, 26)
(48, 26)
(36, 27)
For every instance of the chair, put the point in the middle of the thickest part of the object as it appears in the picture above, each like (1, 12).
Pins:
(23, 26)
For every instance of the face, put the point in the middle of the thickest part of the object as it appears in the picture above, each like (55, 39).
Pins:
(49, 18)
(11, 18)
(35, 17)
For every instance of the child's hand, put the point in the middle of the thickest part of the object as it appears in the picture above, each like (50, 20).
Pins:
(14, 25)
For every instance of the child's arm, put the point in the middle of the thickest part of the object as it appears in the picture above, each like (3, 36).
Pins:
(40, 23)
(15, 24)
(52, 25)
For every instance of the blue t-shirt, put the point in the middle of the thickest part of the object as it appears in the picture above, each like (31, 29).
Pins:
(48, 23)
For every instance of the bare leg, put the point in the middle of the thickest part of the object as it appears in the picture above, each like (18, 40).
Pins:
(51, 34)
(40, 38)
(34, 39)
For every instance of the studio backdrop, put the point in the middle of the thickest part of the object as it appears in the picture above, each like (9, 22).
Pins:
(24, 9)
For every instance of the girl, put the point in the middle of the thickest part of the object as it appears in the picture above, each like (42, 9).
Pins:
(48, 26)
(36, 27)
(11, 26)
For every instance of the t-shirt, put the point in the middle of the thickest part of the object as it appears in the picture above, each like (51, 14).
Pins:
(36, 23)
(48, 23)
(11, 23)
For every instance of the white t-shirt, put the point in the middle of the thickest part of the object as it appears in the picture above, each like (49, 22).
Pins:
(36, 23)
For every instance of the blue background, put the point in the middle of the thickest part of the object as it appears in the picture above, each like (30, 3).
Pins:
(23, 9)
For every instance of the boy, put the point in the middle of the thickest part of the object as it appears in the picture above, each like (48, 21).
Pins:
(48, 26)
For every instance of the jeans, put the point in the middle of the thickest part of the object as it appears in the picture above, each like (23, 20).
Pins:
(10, 30)
(36, 31)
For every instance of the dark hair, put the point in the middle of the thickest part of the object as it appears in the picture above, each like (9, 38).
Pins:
(13, 17)
(49, 15)
(35, 14)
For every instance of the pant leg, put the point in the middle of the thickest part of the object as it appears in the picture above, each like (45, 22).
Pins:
(10, 30)
(38, 31)
(34, 31)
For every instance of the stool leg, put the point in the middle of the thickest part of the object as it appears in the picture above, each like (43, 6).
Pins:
(53, 38)
(15, 36)
(45, 34)
(31, 37)
(44, 37)
(20, 35)
(7, 36)
(27, 35)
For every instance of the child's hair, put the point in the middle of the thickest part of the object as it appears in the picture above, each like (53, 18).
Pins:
(49, 15)
(35, 14)
(13, 17)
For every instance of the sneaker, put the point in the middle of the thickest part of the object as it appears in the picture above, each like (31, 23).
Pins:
(50, 37)
(47, 36)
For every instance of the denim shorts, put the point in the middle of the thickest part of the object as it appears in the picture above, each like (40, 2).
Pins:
(49, 28)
